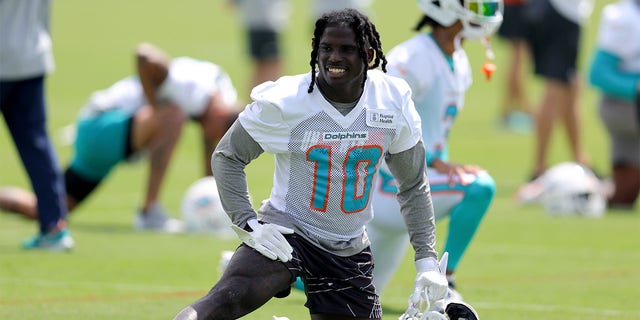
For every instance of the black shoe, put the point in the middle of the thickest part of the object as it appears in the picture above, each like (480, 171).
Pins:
(461, 311)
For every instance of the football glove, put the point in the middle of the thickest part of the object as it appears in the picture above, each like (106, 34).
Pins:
(267, 239)
(423, 312)
(431, 283)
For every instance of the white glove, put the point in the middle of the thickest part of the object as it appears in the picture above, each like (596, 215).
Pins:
(430, 286)
(267, 239)
(431, 281)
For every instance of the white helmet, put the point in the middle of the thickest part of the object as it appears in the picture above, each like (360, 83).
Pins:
(202, 210)
(480, 18)
(569, 188)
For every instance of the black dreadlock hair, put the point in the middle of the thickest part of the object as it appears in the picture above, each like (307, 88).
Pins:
(366, 34)
(424, 21)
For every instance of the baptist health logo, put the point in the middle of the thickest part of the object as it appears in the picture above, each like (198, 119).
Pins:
(377, 117)
(380, 118)
(341, 136)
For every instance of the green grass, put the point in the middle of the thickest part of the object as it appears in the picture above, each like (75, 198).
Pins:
(523, 264)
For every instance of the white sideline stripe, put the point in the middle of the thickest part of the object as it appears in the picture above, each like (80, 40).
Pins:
(542, 308)
(127, 286)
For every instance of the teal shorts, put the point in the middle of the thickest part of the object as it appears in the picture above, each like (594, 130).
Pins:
(101, 143)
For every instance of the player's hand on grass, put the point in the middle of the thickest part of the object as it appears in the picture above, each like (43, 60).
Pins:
(431, 282)
(430, 286)
(267, 239)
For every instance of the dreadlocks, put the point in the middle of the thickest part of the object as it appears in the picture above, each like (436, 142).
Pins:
(424, 21)
(366, 35)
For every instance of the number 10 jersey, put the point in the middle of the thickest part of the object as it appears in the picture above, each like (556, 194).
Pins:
(326, 162)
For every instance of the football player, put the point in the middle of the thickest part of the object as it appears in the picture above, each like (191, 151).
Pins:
(437, 69)
(142, 115)
(329, 130)
(615, 71)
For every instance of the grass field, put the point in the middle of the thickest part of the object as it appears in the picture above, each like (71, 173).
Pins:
(523, 264)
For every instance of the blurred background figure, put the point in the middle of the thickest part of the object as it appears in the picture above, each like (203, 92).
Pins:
(264, 21)
(321, 7)
(554, 39)
(615, 71)
(143, 115)
(437, 69)
(515, 110)
(26, 57)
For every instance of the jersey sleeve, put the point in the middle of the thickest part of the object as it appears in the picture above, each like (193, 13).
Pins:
(409, 130)
(605, 75)
(263, 120)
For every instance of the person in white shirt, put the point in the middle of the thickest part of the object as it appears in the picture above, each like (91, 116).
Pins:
(437, 69)
(142, 115)
(615, 71)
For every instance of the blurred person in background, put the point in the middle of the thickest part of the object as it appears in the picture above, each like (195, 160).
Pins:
(321, 7)
(437, 69)
(554, 39)
(143, 115)
(26, 57)
(615, 71)
(264, 21)
(515, 110)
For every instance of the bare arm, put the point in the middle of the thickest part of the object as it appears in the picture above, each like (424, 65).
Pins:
(157, 131)
(153, 69)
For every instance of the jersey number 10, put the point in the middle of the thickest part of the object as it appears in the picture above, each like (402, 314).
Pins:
(358, 170)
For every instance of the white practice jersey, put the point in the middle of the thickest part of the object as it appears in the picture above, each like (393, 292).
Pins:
(437, 91)
(190, 84)
(619, 33)
(326, 162)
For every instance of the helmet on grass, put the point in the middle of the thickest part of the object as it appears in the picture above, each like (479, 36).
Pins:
(202, 210)
(570, 189)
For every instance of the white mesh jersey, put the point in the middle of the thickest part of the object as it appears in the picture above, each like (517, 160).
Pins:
(326, 162)
(620, 33)
(437, 91)
(190, 84)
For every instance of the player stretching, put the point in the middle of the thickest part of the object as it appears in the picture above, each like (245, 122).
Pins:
(437, 69)
(329, 131)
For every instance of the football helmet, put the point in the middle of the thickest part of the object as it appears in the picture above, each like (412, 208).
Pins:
(480, 18)
(569, 188)
(202, 210)
(461, 311)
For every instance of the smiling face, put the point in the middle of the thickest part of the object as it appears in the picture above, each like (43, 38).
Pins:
(341, 69)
